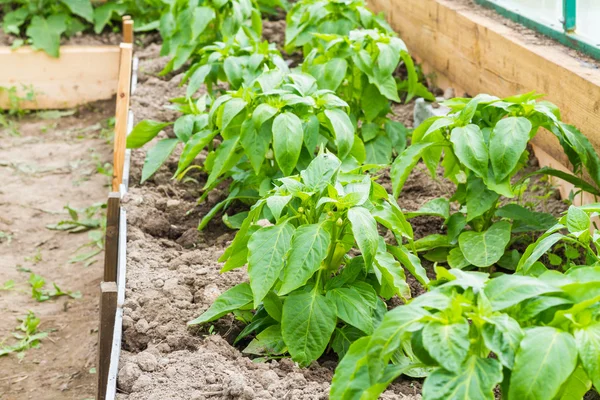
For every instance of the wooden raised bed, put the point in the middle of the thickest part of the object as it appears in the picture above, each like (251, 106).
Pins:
(80, 75)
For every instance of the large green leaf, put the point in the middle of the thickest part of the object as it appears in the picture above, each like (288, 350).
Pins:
(379, 150)
(545, 360)
(230, 110)
(576, 386)
(287, 141)
(405, 163)
(342, 129)
(334, 72)
(351, 308)
(588, 346)
(307, 322)
(389, 215)
(233, 299)
(268, 342)
(255, 142)
(507, 142)
(483, 249)
(502, 335)
(83, 8)
(470, 148)
(320, 171)
(411, 262)
(448, 344)
(309, 247)
(226, 156)
(480, 198)
(144, 132)
(364, 228)
(343, 339)
(536, 250)
(45, 32)
(267, 251)
(507, 290)
(157, 156)
(476, 379)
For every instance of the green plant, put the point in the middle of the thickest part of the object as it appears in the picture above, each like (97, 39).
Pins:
(359, 67)
(269, 129)
(92, 219)
(579, 242)
(96, 243)
(543, 333)
(308, 288)
(46, 21)
(327, 17)
(238, 61)
(40, 294)
(27, 335)
(484, 145)
(189, 24)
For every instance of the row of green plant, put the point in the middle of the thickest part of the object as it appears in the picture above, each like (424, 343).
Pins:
(303, 147)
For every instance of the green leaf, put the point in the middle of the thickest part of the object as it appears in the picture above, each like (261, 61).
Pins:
(144, 132)
(439, 207)
(287, 141)
(576, 386)
(308, 320)
(157, 156)
(525, 220)
(225, 158)
(343, 131)
(390, 274)
(483, 249)
(373, 103)
(273, 305)
(470, 148)
(507, 290)
(351, 308)
(255, 142)
(334, 72)
(448, 344)
(389, 215)
(507, 142)
(83, 8)
(502, 335)
(197, 79)
(405, 163)
(267, 251)
(480, 199)
(104, 13)
(230, 110)
(411, 262)
(343, 339)
(45, 33)
(268, 342)
(476, 379)
(184, 127)
(587, 340)
(545, 360)
(233, 299)
(364, 228)
(320, 172)
(536, 250)
(577, 220)
(309, 247)
(379, 150)
(193, 147)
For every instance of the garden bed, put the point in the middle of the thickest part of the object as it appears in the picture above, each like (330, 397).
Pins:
(173, 276)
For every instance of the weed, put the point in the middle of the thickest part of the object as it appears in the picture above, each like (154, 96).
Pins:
(27, 335)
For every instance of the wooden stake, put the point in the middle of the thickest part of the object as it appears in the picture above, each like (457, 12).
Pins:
(122, 112)
(111, 242)
(108, 310)
(127, 29)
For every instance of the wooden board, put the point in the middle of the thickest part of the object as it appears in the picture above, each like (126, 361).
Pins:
(122, 114)
(108, 311)
(477, 54)
(82, 74)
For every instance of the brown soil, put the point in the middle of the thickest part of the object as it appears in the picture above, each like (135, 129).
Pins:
(50, 164)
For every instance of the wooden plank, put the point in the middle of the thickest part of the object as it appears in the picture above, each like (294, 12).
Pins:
(111, 242)
(122, 112)
(127, 29)
(478, 54)
(82, 74)
(108, 310)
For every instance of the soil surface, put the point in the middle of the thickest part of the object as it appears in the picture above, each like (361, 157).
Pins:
(46, 163)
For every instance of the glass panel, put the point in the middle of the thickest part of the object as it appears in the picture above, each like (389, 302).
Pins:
(588, 19)
(548, 12)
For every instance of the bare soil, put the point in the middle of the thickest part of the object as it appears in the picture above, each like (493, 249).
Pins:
(51, 163)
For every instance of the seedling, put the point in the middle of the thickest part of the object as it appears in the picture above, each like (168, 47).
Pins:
(27, 335)
(81, 220)
(40, 294)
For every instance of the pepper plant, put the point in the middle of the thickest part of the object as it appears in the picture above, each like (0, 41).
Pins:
(307, 285)
(239, 60)
(191, 24)
(339, 17)
(360, 68)
(484, 145)
(543, 333)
